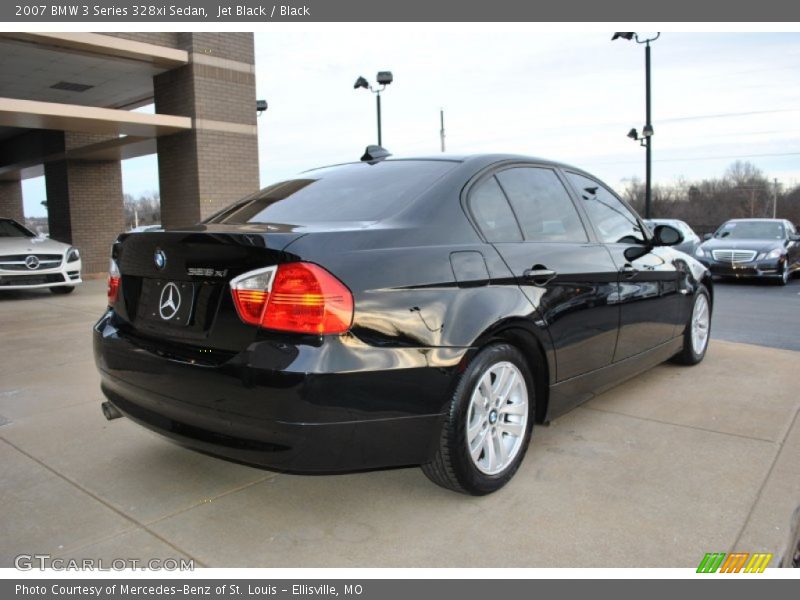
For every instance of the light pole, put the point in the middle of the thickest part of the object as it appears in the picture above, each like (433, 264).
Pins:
(775, 198)
(646, 138)
(384, 78)
(441, 129)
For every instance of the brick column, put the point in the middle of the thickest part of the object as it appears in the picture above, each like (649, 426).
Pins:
(84, 204)
(11, 201)
(207, 168)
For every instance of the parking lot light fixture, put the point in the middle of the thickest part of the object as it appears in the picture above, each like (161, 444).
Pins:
(383, 78)
(646, 139)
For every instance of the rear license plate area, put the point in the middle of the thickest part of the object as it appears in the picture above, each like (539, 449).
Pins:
(169, 303)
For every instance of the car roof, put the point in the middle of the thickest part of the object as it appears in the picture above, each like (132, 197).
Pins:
(762, 219)
(476, 161)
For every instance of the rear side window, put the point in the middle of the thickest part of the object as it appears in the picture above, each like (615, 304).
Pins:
(612, 220)
(353, 192)
(492, 213)
(542, 205)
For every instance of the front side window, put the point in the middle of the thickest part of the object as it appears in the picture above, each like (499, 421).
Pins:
(542, 205)
(614, 222)
(492, 212)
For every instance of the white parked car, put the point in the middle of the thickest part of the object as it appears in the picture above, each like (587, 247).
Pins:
(31, 261)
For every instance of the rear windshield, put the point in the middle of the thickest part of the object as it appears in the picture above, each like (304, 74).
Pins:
(9, 228)
(353, 192)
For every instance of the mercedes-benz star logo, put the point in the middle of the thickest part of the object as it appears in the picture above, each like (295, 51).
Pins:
(32, 262)
(170, 301)
(160, 259)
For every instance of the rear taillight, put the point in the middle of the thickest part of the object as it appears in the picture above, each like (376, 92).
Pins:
(298, 297)
(113, 282)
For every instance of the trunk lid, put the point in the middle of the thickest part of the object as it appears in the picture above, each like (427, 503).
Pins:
(175, 293)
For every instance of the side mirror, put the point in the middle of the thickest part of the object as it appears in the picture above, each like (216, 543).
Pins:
(795, 237)
(707, 236)
(632, 253)
(666, 235)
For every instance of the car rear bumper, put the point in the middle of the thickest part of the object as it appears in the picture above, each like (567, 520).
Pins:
(255, 408)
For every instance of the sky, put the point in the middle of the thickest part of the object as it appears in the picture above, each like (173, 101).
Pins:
(572, 97)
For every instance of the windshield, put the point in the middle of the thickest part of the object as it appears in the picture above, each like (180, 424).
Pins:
(12, 229)
(352, 192)
(751, 230)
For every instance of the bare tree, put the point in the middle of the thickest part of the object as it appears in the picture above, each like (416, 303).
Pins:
(145, 209)
(743, 191)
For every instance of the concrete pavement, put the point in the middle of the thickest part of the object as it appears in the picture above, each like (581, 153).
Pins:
(656, 472)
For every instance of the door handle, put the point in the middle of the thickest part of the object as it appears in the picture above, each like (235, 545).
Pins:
(539, 275)
(628, 271)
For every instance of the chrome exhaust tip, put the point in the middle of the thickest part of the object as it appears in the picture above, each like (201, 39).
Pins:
(110, 411)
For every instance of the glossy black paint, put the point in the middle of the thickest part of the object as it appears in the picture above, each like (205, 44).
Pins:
(429, 291)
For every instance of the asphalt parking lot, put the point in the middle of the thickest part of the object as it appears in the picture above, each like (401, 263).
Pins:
(756, 312)
(656, 472)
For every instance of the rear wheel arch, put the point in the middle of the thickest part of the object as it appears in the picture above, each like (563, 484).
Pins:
(535, 351)
(707, 281)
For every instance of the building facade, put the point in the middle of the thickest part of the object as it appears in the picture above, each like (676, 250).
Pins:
(66, 102)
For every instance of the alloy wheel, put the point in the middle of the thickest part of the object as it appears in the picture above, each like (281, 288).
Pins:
(497, 418)
(700, 324)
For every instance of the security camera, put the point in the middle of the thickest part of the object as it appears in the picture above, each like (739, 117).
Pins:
(385, 77)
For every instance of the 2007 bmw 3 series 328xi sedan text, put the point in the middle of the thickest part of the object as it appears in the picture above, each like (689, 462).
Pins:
(393, 312)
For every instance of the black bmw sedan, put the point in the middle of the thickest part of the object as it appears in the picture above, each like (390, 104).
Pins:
(391, 312)
(745, 248)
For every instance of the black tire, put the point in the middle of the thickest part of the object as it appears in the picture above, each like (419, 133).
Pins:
(62, 289)
(785, 275)
(687, 355)
(452, 466)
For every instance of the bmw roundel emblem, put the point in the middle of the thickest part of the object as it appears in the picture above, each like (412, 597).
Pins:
(160, 259)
